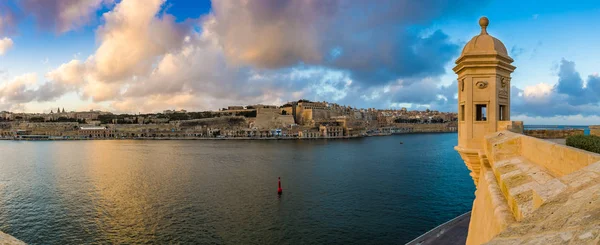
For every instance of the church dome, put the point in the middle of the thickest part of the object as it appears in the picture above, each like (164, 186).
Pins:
(484, 43)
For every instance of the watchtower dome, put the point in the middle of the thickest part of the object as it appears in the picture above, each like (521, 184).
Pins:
(483, 70)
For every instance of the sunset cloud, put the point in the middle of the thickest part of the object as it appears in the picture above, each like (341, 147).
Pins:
(19, 90)
(569, 96)
(372, 41)
(5, 45)
(266, 52)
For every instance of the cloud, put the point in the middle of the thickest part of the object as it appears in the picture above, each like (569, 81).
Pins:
(62, 15)
(132, 37)
(59, 16)
(264, 52)
(5, 44)
(516, 51)
(71, 73)
(8, 18)
(569, 96)
(376, 43)
(19, 89)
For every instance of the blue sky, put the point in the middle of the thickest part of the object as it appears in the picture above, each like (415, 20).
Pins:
(151, 55)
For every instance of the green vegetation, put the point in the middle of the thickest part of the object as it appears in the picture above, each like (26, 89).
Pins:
(585, 142)
(118, 119)
(36, 119)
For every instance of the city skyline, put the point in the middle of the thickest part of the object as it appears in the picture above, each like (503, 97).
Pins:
(143, 56)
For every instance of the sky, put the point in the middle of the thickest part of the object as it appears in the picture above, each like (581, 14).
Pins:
(138, 56)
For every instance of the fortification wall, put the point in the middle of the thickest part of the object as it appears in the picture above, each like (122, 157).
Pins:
(490, 214)
(271, 118)
(560, 160)
(424, 128)
(553, 134)
(595, 130)
(535, 191)
(288, 110)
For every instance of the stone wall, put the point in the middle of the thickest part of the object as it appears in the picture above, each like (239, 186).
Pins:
(595, 130)
(423, 128)
(6, 239)
(271, 118)
(535, 191)
(553, 134)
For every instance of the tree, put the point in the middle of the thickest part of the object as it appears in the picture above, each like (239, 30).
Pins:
(36, 119)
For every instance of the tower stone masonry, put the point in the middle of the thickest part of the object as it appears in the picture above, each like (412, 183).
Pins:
(483, 70)
(528, 190)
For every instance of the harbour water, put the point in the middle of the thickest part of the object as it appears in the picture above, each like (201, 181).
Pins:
(371, 190)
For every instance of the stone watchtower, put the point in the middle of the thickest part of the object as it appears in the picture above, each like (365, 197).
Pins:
(483, 70)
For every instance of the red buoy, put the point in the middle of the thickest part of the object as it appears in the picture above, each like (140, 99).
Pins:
(279, 190)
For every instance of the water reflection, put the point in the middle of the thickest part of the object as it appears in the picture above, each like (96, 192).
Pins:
(368, 191)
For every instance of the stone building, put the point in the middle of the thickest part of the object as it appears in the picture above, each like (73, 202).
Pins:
(331, 131)
(271, 118)
(309, 134)
(96, 132)
(483, 70)
(529, 190)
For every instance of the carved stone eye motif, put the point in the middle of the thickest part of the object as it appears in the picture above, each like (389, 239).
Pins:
(481, 84)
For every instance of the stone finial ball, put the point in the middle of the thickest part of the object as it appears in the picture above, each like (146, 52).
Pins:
(484, 22)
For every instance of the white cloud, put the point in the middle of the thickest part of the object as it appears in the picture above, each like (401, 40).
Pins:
(539, 91)
(5, 44)
(18, 90)
(244, 53)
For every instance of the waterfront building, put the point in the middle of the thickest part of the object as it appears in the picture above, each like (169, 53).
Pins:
(309, 134)
(91, 132)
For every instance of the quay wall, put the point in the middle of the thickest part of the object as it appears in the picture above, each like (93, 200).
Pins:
(400, 128)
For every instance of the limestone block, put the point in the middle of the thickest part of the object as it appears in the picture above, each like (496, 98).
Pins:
(595, 167)
(589, 235)
(538, 174)
(579, 178)
(548, 191)
(508, 241)
(9, 240)
(551, 238)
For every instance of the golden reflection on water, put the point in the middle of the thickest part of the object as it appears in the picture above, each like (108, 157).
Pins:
(129, 203)
(224, 192)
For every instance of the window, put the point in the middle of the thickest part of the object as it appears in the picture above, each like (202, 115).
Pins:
(481, 112)
(462, 112)
(503, 113)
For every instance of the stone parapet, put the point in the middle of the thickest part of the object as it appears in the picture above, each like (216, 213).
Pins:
(550, 191)
(513, 126)
(595, 130)
(6, 239)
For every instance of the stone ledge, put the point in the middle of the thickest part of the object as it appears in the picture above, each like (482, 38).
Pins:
(6, 239)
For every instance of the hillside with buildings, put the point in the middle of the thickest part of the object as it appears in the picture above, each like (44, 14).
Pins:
(297, 119)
